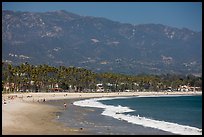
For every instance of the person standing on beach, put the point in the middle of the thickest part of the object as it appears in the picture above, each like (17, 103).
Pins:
(65, 105)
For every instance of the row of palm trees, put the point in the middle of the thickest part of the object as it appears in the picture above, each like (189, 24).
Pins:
(41, 78)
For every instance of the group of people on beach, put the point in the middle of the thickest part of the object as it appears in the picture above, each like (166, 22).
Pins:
(4, 101)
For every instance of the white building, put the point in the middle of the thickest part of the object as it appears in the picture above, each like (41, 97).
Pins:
(99, 88)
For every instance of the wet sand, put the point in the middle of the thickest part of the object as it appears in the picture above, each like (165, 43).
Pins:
(90, 120)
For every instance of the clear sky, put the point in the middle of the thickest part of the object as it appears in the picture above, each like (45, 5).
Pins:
(175, 14)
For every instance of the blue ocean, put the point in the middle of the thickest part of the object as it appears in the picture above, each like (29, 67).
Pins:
(182, 110)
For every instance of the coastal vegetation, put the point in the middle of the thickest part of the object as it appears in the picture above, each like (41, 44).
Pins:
(45, 78)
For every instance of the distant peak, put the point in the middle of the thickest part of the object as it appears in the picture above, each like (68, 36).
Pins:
(59, 11)
(64, 12)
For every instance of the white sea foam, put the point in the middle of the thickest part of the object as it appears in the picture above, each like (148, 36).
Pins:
(117, 113)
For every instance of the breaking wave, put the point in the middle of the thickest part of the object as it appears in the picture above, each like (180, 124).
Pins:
(117, 112)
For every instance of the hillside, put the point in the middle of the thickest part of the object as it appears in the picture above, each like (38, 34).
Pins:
(63, 38)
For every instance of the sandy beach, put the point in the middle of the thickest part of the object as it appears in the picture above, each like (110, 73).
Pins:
(26, 113)
(28, 118)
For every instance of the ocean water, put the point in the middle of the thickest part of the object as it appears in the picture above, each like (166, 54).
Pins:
(175, 114)
(184, 110)
(92, 122)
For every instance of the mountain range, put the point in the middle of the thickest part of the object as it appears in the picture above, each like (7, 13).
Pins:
(61, 38)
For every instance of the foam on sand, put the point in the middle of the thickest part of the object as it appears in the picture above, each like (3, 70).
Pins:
(117, 113)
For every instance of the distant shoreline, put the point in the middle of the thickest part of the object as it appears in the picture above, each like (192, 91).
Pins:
(22, 114)
(32, 96)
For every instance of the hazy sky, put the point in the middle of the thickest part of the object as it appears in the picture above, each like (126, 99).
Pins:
(175, 14)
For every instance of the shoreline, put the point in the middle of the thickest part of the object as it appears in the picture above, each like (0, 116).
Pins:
(118, 112)
(20, 114)
(93, 122)
(39, 97)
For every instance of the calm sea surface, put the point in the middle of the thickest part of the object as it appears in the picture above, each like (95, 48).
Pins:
(183, 110)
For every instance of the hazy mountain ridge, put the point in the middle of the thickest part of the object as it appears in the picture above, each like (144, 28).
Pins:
(99, 44)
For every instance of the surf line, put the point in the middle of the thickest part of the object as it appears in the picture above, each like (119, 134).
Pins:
(117, 113)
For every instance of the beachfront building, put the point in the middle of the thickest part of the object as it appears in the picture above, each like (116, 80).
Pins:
(55, 88)
(188, 88)
(99, 88)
